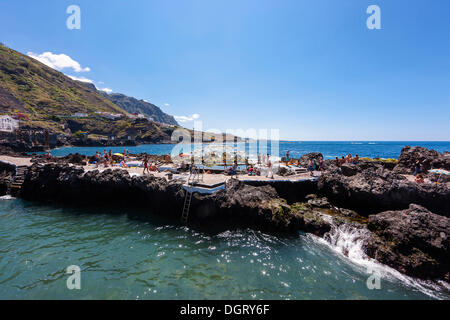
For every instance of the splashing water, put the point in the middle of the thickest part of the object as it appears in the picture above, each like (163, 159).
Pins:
(129, 258)
(348, 240)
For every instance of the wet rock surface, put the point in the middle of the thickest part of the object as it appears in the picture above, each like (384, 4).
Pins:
(7, 173)
(414, 241)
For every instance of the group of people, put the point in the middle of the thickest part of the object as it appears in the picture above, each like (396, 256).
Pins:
(105, 159)
(108, 160)
(263, 160)
(253, 171)
(313, 165)
(149, 166)
(347, 159)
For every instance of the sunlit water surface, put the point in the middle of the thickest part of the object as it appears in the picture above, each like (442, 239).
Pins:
(127, 258)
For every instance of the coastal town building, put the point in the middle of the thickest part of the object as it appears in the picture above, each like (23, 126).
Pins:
(140, 116)
(110, 116)
(80, 115)
(8, 123)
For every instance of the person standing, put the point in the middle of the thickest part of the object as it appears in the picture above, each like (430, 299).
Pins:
(145, 163)
(337, 162)
(310, 167)
(269, 168)
(417, 168)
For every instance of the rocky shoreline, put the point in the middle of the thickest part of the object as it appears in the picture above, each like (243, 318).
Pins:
(405, 224)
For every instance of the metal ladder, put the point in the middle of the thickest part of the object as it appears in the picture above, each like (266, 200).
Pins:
(193, 178)
(186, 206)
(16, 182)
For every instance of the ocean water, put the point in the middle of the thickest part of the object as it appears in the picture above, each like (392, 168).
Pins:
(330, 149)
(122, 257)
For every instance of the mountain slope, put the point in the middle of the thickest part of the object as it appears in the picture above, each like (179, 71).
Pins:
(133, 105)
(29, 86)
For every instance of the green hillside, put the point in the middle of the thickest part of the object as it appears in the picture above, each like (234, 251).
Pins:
(28, 86)
(49, 99)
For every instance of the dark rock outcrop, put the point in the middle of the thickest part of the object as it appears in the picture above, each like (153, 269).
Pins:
(373, 189)
(291, 191)
(413, 241)
(71, 185)
(304, 160)
(240, 204)
(349, 169)
(284, 172)
(73, 158)
(7, 172)
(428, 158)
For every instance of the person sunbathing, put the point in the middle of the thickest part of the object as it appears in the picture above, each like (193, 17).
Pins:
(419, 179)
(287, 158)
(321, 165)
(153, 167)
(123, 164)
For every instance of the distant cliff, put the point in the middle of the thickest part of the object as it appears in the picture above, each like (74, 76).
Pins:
(133, 105)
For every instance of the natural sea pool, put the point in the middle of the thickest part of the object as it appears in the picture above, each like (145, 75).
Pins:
(122, 257)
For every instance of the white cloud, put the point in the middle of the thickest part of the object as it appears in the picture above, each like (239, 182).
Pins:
(187, 118)
(107, 90)
(82, 79)
(166, 105)
(58, 61)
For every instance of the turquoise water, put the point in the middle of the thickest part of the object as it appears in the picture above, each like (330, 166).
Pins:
(330, 149)
(127, 258)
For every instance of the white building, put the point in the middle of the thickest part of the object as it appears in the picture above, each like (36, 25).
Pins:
(8, 124)
(80, 115)
(111, 116)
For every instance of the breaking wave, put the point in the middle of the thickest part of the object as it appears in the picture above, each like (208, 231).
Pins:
(7, 197)
(347, 240)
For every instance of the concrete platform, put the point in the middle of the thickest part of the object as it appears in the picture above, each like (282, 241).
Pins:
(207, 181)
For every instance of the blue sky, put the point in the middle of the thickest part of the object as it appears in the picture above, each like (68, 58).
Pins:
(311, 69)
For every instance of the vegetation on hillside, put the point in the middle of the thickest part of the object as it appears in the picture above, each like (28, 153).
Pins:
(49, 99)
(42, 93)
